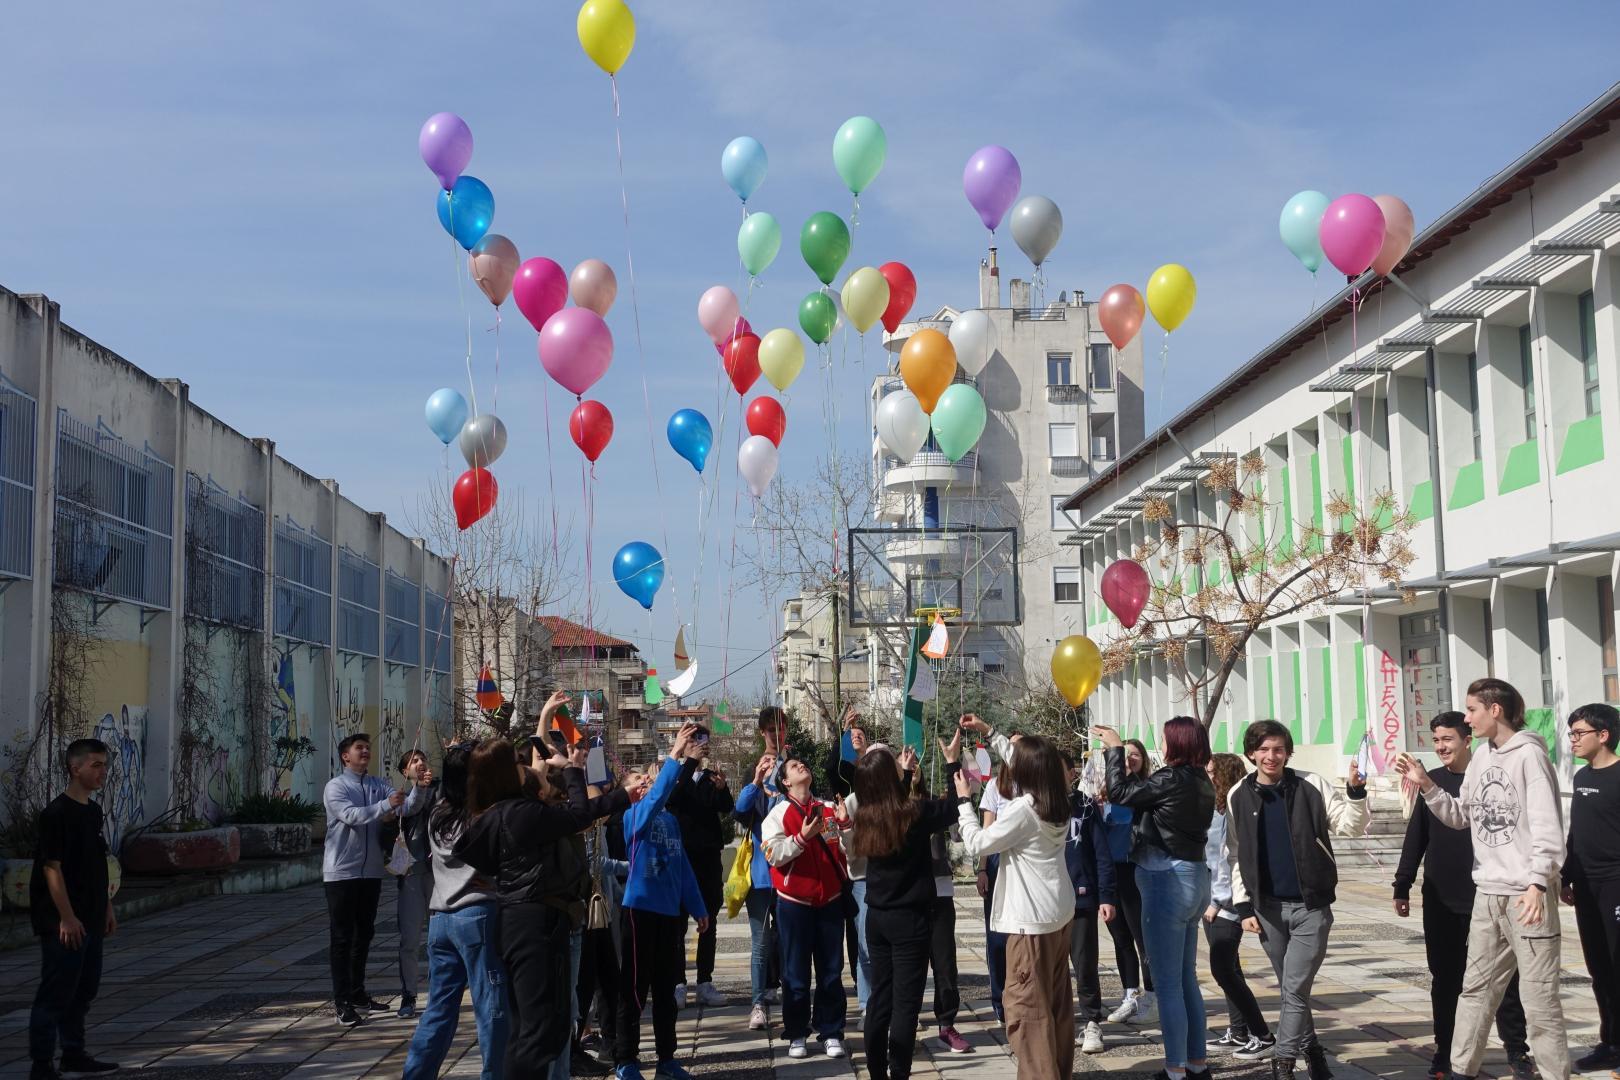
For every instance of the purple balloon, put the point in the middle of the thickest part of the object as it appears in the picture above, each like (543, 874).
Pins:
(446, 146)
(990, 182)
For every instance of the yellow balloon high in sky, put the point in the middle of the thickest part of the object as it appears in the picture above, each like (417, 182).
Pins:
(866, 295)
(1076, 668)
(607, 33)
(1171, 293)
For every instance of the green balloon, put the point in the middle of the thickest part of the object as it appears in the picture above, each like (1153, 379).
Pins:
(859, 150)
(958, 420)
(824, 243)
(818, 316)
(758, 241)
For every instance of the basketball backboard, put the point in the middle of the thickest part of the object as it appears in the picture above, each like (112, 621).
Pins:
(901, 576)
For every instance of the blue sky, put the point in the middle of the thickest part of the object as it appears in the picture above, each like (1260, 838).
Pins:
(231, 195)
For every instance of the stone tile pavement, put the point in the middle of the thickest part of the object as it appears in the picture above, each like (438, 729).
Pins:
(234, 988)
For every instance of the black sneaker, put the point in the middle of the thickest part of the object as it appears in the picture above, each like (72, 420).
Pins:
(407, 1007)
(582, 1064)
(1258, 1048)
(1316, 1059)
(1282, 1068)
(347, 1016)
(1603, 1056)
(365, 1003)
(85, 1065)
(1438, 1070)
(43, 1070)
(1523, 1066)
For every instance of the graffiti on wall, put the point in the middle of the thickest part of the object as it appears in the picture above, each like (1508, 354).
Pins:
(123, 799)
(1390, 724)
(392, 737)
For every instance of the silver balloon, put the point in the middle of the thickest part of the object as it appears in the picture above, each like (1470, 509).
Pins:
(1036, 225)
(483, 439)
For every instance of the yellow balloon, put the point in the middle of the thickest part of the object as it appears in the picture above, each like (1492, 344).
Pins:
(781, 357)
(1171, 293)
(607, 33)
(1076, 667)
(866, 296)
(927, 364)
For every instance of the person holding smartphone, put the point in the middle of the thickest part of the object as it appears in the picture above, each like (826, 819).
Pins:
(703, 806)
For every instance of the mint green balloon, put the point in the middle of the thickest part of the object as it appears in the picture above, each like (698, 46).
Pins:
(818, 316)
(824, 243)
(958, 420)
(859, 150)
(758, 241)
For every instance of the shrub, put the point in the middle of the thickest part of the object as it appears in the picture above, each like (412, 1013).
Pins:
(275, 810)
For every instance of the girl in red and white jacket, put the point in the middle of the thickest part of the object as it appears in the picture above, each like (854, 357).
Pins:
(803, 844)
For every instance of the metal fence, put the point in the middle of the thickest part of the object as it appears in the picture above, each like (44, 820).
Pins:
(303, 585)
(114, 508)
(402, 642)
(359, 603)
(224, 557)
(436, 625)
(17, 411)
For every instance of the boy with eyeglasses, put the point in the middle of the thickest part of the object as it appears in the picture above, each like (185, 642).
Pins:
(1591, 877)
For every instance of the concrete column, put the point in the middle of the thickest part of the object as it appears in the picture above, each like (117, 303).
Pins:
(267, 593)
(167, 631)
(28, 608)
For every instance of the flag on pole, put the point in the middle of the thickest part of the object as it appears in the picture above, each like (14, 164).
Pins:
(488, 695)
(923, 685)
(681, 659)
(938, 643)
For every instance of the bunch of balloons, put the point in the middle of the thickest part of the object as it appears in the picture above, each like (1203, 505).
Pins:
(482, 440)
(932, 403)
(1353, 232)
(466, 205)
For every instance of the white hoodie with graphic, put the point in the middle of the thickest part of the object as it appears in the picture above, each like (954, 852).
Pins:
(1510, 800)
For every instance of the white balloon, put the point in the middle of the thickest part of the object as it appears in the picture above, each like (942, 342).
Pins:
(756, 461)
(902, 425)
(973, 337)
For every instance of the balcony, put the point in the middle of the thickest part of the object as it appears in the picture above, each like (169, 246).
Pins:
(1053, 312)
(888, 384)
(1069, 466)
(17, 410)
(941, 547)
(930, 468)
(1065, 394)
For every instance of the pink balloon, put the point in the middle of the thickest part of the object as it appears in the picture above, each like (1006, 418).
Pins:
(540, 289)
(742, 328)
(494, 264)
(1125, 589)
(593, 286)
(1352, 233)
(718, 312)
(1398, 230)
(576, 348)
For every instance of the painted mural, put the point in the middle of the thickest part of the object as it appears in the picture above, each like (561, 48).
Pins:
(356, 714)
(123, 799)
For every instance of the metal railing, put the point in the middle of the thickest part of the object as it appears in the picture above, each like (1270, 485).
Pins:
(303, 585)
(114, 514)
(359, 603)
(436, 624)
(402, 643)
(1065, 394)
(1069, 465)
(17, 413)
(225, 560)
(1050, 313)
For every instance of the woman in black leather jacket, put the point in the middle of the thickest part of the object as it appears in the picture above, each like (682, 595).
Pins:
(1174, 807)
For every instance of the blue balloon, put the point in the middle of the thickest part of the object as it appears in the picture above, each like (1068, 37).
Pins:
(639, 571)
(446, 414)
(691, 436)
(743, 165)
(473, 206)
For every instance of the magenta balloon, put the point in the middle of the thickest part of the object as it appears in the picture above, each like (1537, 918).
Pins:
(742, 328)
(991, 181)
(446, 145)
(717, 312)
(1125, 589)
(1352, 233)
(540, 289)
(576, 348)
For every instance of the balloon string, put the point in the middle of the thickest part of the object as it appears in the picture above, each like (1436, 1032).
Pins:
(427, 662)
(731, 565)
(461, 293)
(551, 475)
(590, 573)
(495, 406)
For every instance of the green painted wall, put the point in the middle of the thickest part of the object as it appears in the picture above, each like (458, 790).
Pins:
(1583, 444)
(1421, 501)
(1285, 545)
(1316, 500)
(1357, 727)
(1324, 709)
(1523, 467)
(1348, 521)
(1469, 488)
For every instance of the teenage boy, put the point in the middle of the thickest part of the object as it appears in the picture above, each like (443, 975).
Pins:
(1509, 795)
(703, 806)
(1091, 871)
(72, 916)
(1592, 869)
(1447, 856)
(416, 884)
(841, 778)
(352, 868)
(1282, 825)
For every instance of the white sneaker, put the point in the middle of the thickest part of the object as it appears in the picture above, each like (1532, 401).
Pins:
(1147, 1008)
(834, 1047)
(680, 996)
(1126, 1009)
(796, 1049)
(709, 994)
(756, 1019)
(1091, 1041)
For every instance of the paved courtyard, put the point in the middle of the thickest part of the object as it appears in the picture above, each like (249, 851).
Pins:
(234, 988)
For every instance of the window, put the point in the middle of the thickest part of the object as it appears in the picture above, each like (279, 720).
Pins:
(1586, 308)
(1059, 369)
(1527, 379)
(1544, 642)
(1490, 643)
(1473, 399)
(1102, 367)
(1063, 440)
(1066, 584)
(1611, 668)
(1061, 521)
(1102, 438)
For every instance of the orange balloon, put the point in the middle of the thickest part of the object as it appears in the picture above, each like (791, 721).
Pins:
(1120, 313)
(928, 364)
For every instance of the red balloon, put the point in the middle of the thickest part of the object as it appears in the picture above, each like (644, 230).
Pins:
(1125, 589)
(741, 360)
(765, 417)
(902, 293)
(742, 327)
(591, 425)
(474, 496)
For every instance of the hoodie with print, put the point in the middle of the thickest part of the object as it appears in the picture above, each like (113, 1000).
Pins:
(1509, 798)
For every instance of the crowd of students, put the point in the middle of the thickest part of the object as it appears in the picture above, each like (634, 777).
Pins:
(564, 907)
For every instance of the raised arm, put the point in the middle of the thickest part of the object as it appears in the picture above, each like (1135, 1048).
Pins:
(343, 804)
(1015, 825)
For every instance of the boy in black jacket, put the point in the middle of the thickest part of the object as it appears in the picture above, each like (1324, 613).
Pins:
(703, 805)
(1091, 870)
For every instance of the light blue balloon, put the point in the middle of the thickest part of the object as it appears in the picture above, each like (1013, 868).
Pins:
(743, 165)
(639, 571)
(446, 414)
(1301, 227)
(467, 210)
(691, 436)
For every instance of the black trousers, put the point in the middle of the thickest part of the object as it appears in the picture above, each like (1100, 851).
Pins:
(898, 941)
(599, 971)
(652, 964)
(1445, 939)
(1083, 958)
(942, 959)
(352, 907)
(534, 948)
(68, 982)
(1243, 1015)
(1597, 917)
(711, 884)
(1130, 947)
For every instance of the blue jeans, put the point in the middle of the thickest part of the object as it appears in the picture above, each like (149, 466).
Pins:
(68, 982)
(463, 951)
(995, 950)
(576, 945)
(762, 938)
(863, 963)
(811, 936)
(1173, 903)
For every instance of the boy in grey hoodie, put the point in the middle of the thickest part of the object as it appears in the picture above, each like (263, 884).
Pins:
(1509, 798)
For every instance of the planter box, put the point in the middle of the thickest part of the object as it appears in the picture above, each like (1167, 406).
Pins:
(176, 852)
(273, 841)
(17, 874)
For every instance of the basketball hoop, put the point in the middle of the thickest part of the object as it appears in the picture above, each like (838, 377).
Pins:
(927, 614)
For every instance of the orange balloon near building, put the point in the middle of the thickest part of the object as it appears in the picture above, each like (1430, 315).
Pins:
(928, 364)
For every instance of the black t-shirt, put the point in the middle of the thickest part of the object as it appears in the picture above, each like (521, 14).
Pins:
(70, 834)
(1594, 826)
(1279, 874)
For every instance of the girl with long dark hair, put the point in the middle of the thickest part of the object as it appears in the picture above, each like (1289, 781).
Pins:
(1247, 1032)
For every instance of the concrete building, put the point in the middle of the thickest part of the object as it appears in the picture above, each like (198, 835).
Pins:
(611, 670)
(811, 659)
(180, 591)
(1483, 393)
